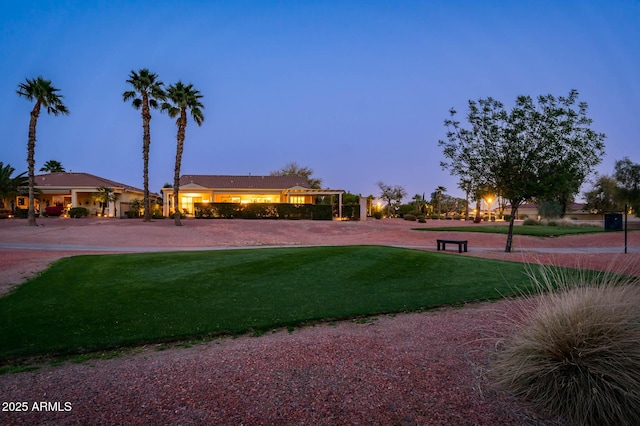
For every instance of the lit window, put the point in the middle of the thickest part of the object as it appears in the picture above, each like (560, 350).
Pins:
(296, 200)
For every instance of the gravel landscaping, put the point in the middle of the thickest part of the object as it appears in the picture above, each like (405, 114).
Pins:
(406, 369)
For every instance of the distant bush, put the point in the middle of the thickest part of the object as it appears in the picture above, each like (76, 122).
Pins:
(507, 217)
(78, 212)
(411, 217)
(21, 213)
(558, 222)
(263, 211)
(377, 215)
(575, 350)
(54, 210)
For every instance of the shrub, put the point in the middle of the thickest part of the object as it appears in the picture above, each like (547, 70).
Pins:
(78, 212)
(575, 350)
(21, 213)
(411, 217)
(54, 210)
(377, 215)
(531, 222)
(507, 217)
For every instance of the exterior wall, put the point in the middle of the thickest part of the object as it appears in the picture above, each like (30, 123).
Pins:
(231, 197)
(190, 196)
(79, 198)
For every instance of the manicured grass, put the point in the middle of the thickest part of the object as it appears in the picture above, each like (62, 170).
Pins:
(534, 230)
(100, 302)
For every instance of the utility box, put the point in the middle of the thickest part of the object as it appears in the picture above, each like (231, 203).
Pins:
(613, 222)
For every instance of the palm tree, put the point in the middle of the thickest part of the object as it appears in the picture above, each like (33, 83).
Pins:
(439, 191)
(147, 91)
(180, 99)
(467, 186)
(52, 166)
(113, 198)
(104, 195)
(45, 95)
(10, 186)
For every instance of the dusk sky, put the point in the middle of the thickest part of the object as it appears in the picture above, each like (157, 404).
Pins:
(355, 90)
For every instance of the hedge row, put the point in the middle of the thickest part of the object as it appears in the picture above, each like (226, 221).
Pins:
(263, 211)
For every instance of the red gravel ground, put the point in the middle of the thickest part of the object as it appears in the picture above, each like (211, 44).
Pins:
(409, 369)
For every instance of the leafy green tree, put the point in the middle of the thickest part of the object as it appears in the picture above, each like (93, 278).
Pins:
(393, 195)
(182, 100)
(537, 150)
(604, 195)
(550, 208)
(52, 166)
(293, 169)
(627, 174)
(135, 207)
(10, 185)
(45, 96)
(147, 91)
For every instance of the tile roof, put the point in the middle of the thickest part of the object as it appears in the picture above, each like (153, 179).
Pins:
(78, 180)
(238, 182)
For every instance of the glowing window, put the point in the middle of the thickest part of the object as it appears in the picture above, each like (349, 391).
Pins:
(296, 200)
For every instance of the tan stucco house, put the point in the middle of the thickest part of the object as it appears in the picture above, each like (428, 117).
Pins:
(72, 189)
(243, 190)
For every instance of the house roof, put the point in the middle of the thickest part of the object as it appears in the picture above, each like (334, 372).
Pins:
(78, 180)
(245, 182)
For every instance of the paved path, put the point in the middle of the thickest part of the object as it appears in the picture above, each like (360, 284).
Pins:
(115, 249)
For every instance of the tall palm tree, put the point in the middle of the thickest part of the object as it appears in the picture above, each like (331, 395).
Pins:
(45, 95)
(10, 186)
(52, 166)
(467, 186)
(147, 91)
(182, 99)
(439, 191)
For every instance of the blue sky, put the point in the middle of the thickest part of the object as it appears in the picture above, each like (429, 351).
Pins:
(356, 90)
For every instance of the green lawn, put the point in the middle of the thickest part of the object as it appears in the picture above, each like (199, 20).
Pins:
(100, 302)
(535, 230)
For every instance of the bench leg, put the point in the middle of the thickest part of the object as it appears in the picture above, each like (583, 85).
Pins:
(459, 247)
(465, 247)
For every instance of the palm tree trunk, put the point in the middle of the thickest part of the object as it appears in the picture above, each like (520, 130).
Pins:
(182, 125)
(146, 142)
(31, 148)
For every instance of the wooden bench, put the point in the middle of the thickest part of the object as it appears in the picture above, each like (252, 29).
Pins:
(460, 243)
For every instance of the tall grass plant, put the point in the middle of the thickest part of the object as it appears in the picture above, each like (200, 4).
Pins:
(575, 350)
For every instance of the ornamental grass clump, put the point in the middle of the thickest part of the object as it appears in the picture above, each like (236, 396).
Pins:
(575, 351)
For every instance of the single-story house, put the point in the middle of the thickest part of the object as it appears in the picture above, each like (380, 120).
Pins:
(243, 190)
(73, 189)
